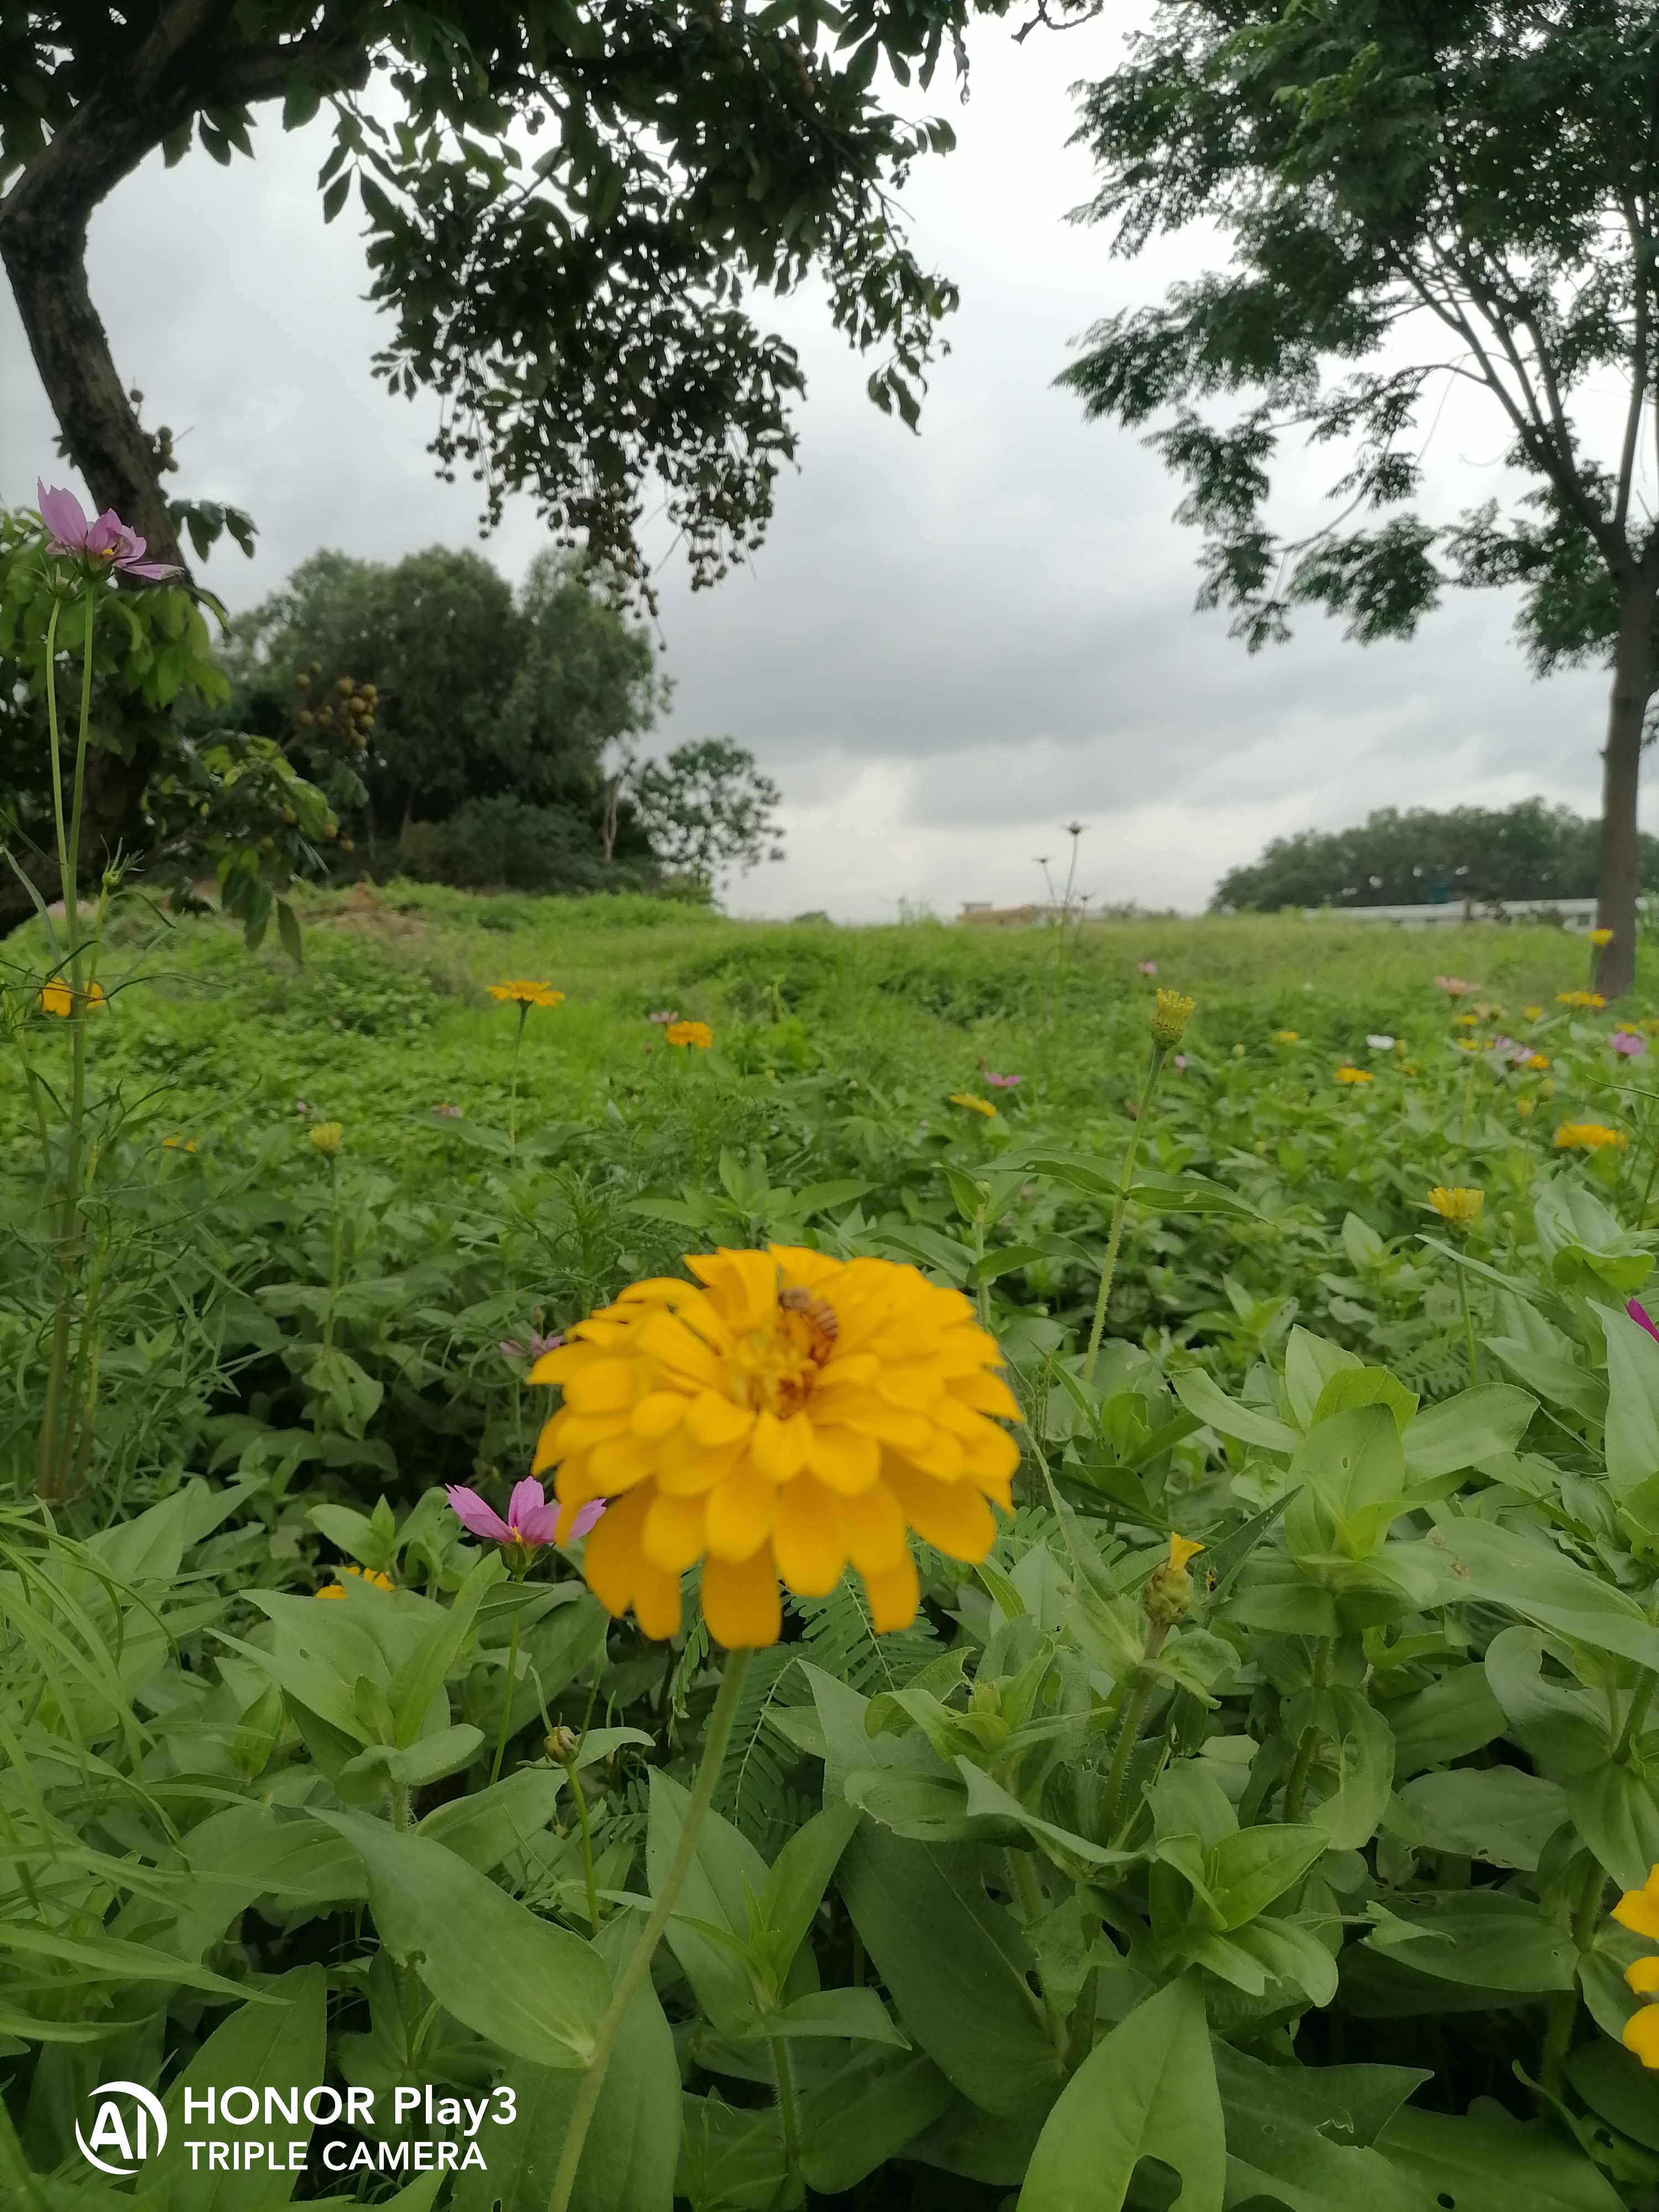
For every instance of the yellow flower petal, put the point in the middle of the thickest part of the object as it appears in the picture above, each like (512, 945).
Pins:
(1641, 2036)
(1643, 1976)
(952, 1516)
(893, 1596)
(740, 1514)
(741, 1602)
(674, 1531)
(1638, 1910)
(1182, 1549)
(806, 1540)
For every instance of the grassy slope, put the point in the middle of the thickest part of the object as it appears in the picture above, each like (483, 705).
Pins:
(389, 1015)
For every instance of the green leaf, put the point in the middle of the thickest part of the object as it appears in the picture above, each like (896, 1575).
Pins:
(287, 928)
(1499, 1814)
(1299, 2135)
(484, 1827)
(1310, 1362)
(1456, 1714)
(1147, 2091)
(1353, 1473)
(955, 1964)
(271, 2045)
(725, 1871)
(1356, 1756)
(1460, 1432)
(1488, 2162)
(627, 2162)
(1528, 1576)
(1207, 1402)
(417, 1681)
(1247, 1870)
(1615, 1810)
(867, 2113)
(801, 1875)
(1558, 1721)
(1484, 1938)
(533, 1989)
(851, 2015)
(1632, 1435)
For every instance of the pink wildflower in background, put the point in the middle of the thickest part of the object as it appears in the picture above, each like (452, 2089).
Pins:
(1001, 1082)
(107, 540)
(1148, 967)
(1639, 1315)
(1627, 1042)
(664, 1018)
(533, 1349)
(530, 1521)
(1455, 986)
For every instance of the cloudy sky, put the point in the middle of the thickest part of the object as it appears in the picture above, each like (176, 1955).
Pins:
(951, 642)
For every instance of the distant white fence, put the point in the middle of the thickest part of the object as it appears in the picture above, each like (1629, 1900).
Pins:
(1561, 913)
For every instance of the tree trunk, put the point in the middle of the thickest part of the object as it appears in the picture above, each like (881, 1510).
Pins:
(1618, 875)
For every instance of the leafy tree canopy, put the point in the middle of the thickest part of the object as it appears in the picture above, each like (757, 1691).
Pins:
(1417, 199)
(707, 808)
(1528, 851)
(570, 204)
(477, 694)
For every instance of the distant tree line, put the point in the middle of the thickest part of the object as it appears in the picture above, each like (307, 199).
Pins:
(469, 734)
(1528, 851)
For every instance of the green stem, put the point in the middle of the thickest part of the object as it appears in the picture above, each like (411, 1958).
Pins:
(983, 1288)
(513, 1095)
(588, 1843)
(334, 1274)
(1128, 1735)
(1120, 1205)
(1564, 2006)
(72, 915)
(639, 1963)
(1468, 1323)
(507, 1713)
(1637, 1713)
(788, 2110)
(1023, 1882)
(1296, 1788)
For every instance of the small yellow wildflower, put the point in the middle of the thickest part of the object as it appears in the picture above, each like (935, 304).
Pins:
(1638, 1910)
(1168, 1588)
(1284, 1036)
(1465, 1021)
(1458, 1206)
(1536, 1059)
(1170, 1016)
(696, 1033)
(178, 1144)
(974, 1105)
(1598, 937)
(782, 1415)
(1532, 1013)
(59, 998)
(326, 1136)
(521, 994)
(362, 1575)
(1579, 998)
(1353, 1075)
(1587, 1137)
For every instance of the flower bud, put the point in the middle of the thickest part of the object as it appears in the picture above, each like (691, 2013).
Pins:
(326, 1136)
(1169, 1587)
(1170, 1017)
(561, 1745)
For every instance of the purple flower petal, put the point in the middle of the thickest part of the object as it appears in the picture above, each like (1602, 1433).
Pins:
(150, 571)
(481, 1520)
(587, 1516)
(537, 1524)
(63, 515)
(527, 1498)
(510, 1350)
(1639, 1315)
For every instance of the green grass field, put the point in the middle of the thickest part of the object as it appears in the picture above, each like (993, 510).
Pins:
(389, 1015)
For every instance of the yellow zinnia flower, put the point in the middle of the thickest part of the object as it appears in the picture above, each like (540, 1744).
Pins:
(974, 1105)
(521, 994)
(326, 1136)
(1641, 2035)
(1587, 1137)
(1600, 937)
(1643, 1976)
(1538, 1060)
(1352, 1075)
(59, 998)
(1638, 1909)
(696, 1033)
(1170, 1016)
(1182, 1550)
(363, 1575)
(1532, 1013)
(1579, 998)
(784, 1414)
(1465, 1021)
(1459, 1206)
(1284, 1036)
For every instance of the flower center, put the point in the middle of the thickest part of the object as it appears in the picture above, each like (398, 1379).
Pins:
(773, 1370)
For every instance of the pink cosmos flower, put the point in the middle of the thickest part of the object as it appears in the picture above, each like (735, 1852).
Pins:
(1179, 1059)
(1627, 1042)
(1639, 1315)
(530, 1521)
(1455, 986)
(663, 1019)
(532, 1350)
(108, 540)
(1001, 1082)
(1148, 967)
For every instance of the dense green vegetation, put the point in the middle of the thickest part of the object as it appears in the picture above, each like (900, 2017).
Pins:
(1528, 851)
(1288, 1870)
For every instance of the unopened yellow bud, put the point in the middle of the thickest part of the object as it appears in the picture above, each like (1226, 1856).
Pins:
(1171, 1015)
(326, 1136)
(562, 1744)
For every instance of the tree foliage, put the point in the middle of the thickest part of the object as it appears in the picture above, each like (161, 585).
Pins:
(1528, 851)
(1416, 200)
(479, 695)
(569, 209)
(707, 808)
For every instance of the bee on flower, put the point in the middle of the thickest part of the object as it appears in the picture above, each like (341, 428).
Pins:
(784, 1414)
